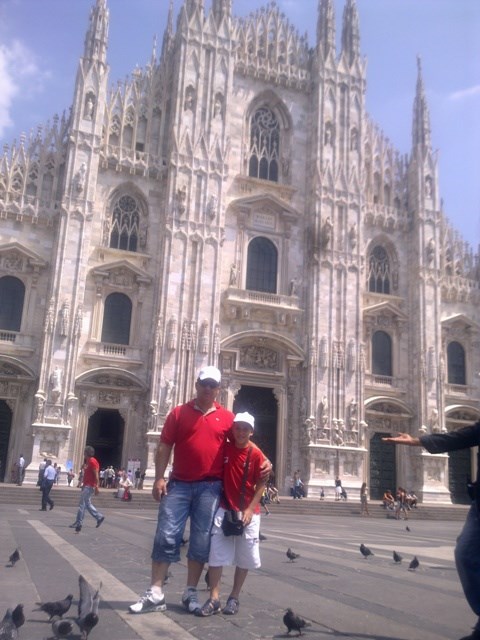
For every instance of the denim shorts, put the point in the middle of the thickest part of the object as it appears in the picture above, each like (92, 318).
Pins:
(195, 500)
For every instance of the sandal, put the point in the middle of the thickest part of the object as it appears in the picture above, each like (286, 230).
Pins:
(232, 606)
(210, 608)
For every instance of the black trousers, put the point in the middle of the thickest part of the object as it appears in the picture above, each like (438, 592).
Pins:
(46, 488)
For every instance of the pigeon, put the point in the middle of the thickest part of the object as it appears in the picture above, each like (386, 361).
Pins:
(294, 622)
(207, 579)
(261, 537)
(365, 551)
(87, 607)
(407, 528)
(18, 616)
(413, 564)
(183, 542)
(291, 555)
(397, 557)
(61, 628)
(58, 608)
(15, 557)
(8, 630)
(12, 620)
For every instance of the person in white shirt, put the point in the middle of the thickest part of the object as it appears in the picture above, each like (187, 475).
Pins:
(49, 476)
(20, 470)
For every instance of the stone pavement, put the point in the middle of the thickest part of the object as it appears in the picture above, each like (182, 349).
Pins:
(331, 585)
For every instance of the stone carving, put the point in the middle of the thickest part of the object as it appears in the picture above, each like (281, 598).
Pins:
(293, 287)
(353, 414)
(233, 275)
(89, 107)
(255, 357)
(203, 342)
(352, 356)
(64, 318)
(323, 359)
(189, 335)
(172, 334)
(79, 179)
(39, 407)
(13, 262)
(352, 235)
(326, 232)
(181, 200)
(189, 102)
(56, 384)
(212, 207)
(430, 250)
(168, 397)
(216, 340)
(79, 320)
(218, 107)
(310, 430)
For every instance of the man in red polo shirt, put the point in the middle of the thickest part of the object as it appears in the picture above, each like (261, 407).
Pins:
(90, 486)
(196, 431)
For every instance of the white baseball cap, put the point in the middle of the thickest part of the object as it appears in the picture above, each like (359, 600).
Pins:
(245, 417)
(210, 373)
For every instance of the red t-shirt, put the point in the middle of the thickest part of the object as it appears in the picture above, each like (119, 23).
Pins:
(89, 475)
(198, 441)
(234, 466)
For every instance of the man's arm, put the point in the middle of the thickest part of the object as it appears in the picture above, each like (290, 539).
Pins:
(97, 479)
(162, 456)
(404, 438)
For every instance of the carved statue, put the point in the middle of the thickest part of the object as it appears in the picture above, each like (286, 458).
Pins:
(233, 275)
(212, 207)
(79, 180)
(430, 250)
(56, 384)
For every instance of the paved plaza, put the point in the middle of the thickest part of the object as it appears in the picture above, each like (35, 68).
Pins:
(331, 585)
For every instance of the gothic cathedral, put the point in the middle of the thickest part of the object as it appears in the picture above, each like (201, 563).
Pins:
(233, 204)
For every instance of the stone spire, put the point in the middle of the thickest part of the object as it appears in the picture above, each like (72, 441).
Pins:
(168, 33)
(221, 9)
(421, 114)
(326, 28)
(96, 40)
(350, 33)
(194, 5)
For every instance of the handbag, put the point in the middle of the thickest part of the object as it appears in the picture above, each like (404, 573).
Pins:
(232, 524)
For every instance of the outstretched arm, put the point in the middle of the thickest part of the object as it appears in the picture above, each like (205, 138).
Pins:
(404, 438)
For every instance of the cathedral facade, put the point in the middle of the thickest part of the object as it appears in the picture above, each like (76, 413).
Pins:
(233, 204)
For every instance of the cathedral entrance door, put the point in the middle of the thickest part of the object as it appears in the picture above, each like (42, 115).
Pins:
(105, 434)
(459, 467)
(382, 466)
(5, 427)
(261, 403)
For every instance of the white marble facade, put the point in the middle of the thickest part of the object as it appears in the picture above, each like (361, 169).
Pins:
(233, 204)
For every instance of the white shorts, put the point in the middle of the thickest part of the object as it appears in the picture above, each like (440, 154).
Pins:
(242, 551)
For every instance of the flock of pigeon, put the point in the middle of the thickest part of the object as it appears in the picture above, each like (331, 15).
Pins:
(293, 622)
(89, 600)
(86, 620)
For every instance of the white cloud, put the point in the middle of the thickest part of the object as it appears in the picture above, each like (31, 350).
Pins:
(19, 76)
(465, 93)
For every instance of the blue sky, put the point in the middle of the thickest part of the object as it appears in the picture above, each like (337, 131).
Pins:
(41, 41)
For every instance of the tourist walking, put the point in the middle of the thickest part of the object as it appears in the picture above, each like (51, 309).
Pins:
(364, 500)
(49, 476)
(90, 483)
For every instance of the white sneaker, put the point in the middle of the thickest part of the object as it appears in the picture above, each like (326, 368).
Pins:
(190, 600)
(147, 603)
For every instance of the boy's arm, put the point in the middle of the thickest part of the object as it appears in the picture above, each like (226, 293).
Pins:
(248, 513)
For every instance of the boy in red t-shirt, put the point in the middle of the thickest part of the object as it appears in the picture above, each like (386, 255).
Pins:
(242, 551)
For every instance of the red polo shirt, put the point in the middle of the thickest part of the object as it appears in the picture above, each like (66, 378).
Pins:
(198, 440)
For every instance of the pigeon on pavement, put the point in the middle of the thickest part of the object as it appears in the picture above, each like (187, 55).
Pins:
(58, 608)
(15, 557)
(291, 555)
(365, 551)
(261, 537)
(87, 607)
(12, 620)
(294, 622)
(397, 557)
(18, 616)
(61, 628)
(413, 564)
(407, 528)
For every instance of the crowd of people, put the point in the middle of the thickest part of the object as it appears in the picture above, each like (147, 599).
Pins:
(400, 503)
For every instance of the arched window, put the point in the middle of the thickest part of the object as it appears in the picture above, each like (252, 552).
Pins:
(379, 271)
(382, 354)
(456, 363)
(125, 224)
(117, 317)
(262, 265)
(12, 295)
(264, 145)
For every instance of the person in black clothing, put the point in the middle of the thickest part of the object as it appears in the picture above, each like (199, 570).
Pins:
(467, 550)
